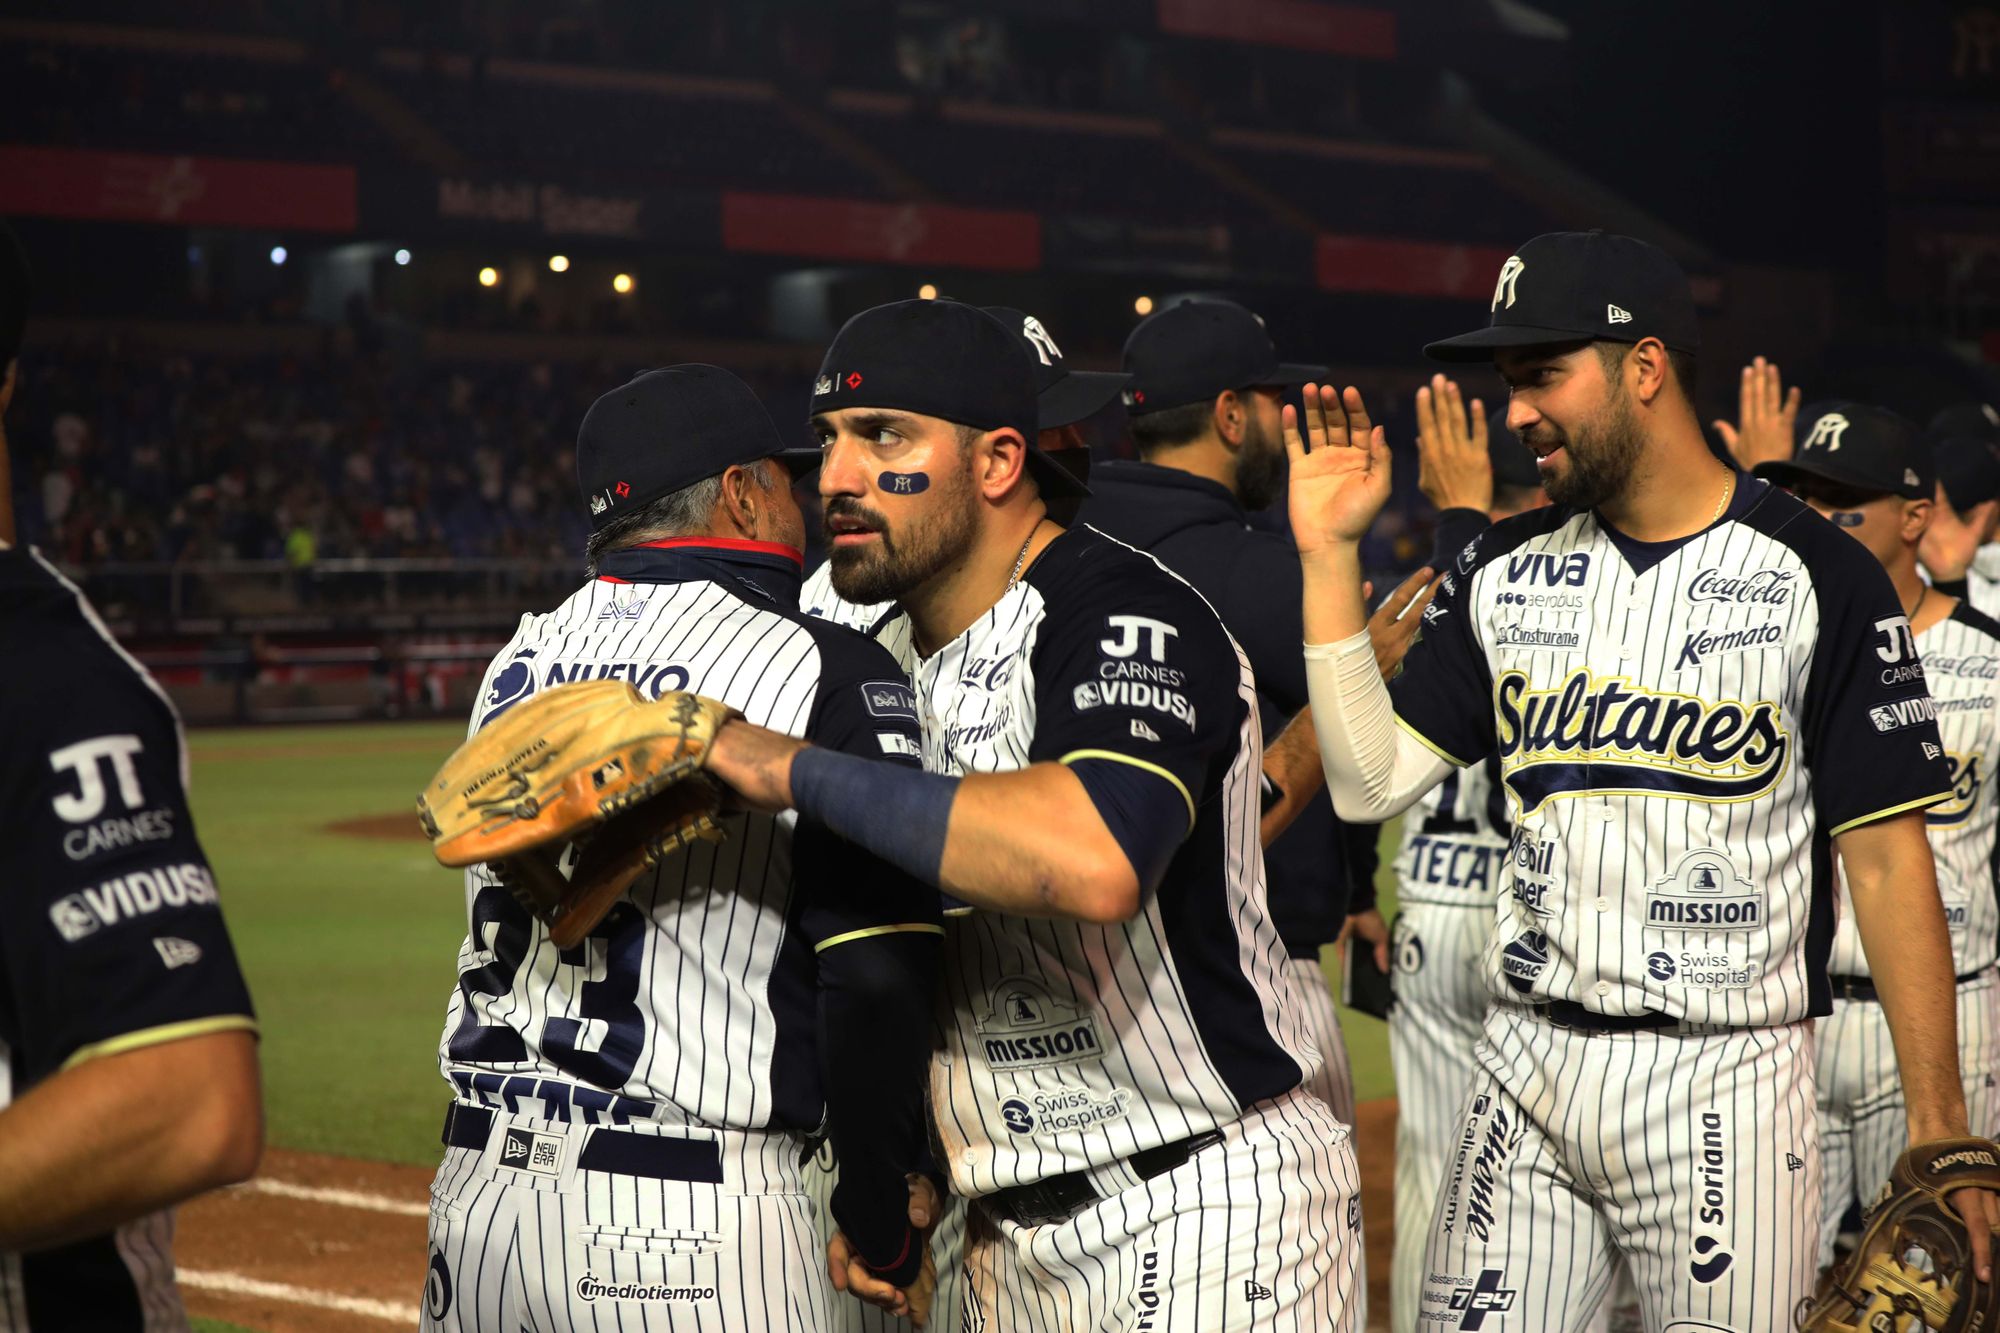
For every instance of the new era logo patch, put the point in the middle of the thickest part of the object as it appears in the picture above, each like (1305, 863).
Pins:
(176, 952)
(1617, 315)
(523, 1150)
(1794, 1162)
(1255, 1291)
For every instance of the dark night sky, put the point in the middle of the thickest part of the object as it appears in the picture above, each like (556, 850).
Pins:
(1752, 125)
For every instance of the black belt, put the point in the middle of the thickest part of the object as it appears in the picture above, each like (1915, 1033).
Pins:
(1060, 1198)
(1863, 988)
(1570, 1014)
(611, 1150)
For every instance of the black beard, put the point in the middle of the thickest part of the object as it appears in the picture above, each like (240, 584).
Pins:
(885, 572)
(1602, 457)
(1260, 471)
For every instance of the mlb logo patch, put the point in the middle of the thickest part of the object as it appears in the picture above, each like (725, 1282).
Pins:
(524, 1150)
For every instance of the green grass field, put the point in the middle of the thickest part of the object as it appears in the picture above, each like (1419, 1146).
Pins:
(350, 944)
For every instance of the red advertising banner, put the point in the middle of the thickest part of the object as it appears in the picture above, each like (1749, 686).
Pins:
(870, 232)
(1407, 268)
(192, 191)
(1303, 25)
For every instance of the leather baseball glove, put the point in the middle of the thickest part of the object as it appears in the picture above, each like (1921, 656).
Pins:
(1913, 1269)
(568, 796)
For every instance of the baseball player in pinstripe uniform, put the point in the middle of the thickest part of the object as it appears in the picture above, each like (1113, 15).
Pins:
(1866, 471)
(631, 1115)
(1454, 842)
(1064, 399)
(1957, 552)
(1691, 683)
(1118, 1090)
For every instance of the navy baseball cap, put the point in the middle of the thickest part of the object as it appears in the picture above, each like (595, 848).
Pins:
(1513, 462)
(940, 359)
(1981, 421)
(1573, 286)
(668, 429)
(1859, 445)
(1189, 353)
(1969, 469)
(1063, 396)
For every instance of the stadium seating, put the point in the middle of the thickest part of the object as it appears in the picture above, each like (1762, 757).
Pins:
(160, 101)
(744, 139)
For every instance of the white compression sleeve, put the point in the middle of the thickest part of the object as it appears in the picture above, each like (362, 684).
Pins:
(1374, 769)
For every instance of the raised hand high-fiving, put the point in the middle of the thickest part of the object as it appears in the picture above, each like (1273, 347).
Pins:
(1340, 468)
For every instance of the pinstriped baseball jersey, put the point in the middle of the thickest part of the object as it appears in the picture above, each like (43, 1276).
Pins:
(1961, 658)
(1982, 581)
(1682, 727)
(1069, 1045)
(694, 1002)
(1455, 840)
(818, 600)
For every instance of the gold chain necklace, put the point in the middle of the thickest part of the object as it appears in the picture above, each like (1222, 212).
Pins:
(1022, 558)
(1723, 503)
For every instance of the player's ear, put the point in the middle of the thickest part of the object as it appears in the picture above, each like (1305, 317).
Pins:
(1002, 462)
(1646, 365)
(742, 494)
(1916, 518)
(1232, 417)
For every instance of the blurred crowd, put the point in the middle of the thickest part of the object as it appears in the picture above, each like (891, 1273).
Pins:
(170, 457)
(124, 455)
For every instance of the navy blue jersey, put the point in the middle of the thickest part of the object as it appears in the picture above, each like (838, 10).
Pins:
(111, 938)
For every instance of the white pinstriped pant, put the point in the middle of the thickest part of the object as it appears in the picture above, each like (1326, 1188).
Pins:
(1333, 1081)
(1439, 1012)
(1261, 1230)
(1863, 1125)
(947, 1246)
(515, 1249)
(1694, 1156)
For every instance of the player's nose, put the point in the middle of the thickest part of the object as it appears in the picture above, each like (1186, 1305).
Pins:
(1520, 415)
(840, 472)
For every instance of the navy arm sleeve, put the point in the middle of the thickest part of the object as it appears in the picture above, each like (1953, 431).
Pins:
(1136, 674)
(876, 932)
(1870, 726)
(111, 937)
(1444, 693)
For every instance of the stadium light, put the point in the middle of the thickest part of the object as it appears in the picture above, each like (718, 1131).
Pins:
(489, 276)
(622, 284)
(928, 291)
(402, 258)
(1143, 306)
(558, 263)
(278, 255)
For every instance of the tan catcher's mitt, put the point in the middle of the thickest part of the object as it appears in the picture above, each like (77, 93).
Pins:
(591, 767)
(1913, 1269)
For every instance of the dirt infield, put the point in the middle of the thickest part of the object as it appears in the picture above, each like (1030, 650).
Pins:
(396, 828)
(317, 1244)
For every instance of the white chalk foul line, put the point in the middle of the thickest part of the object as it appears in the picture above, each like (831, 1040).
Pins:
(235, 1284)
(343, 1198)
